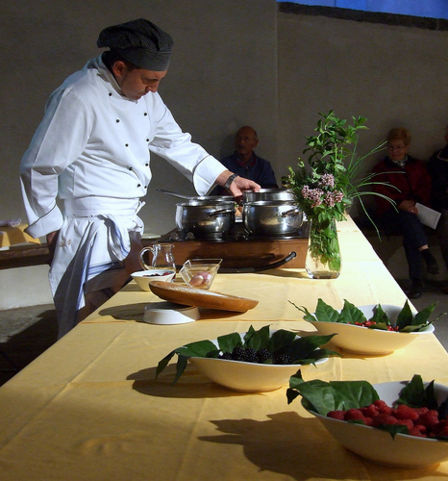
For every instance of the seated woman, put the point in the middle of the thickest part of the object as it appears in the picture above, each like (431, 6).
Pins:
(413, 184)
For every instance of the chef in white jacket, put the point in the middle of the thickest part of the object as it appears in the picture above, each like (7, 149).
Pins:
(88, 166)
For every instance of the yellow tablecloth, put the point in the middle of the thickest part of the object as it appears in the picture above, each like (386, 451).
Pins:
(15, 235)
(90, 409)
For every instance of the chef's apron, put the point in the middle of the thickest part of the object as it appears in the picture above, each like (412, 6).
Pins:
(92, 244)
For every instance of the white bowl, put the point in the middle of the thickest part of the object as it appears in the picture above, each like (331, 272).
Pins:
(363, 340)
(143, 278)
(249, 376)
(379, 446)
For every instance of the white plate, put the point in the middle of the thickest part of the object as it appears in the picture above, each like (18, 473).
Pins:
(250, 376)
(362, 340)
(379, 446)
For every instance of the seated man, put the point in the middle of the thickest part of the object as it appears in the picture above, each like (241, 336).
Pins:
(246, 163)
(438, 168)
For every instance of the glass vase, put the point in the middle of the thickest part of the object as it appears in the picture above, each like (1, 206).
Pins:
(323, 256)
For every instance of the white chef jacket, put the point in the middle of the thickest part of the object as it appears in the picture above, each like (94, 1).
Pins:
(92, 152)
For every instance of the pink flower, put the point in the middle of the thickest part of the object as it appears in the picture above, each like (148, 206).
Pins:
(327, 180)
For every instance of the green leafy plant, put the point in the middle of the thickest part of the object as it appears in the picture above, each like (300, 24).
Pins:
(280, 345)
(326, 182)
(406, 321)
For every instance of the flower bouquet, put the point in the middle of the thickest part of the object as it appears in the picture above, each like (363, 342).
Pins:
(325, 186)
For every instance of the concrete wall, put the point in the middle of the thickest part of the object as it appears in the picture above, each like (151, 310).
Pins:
(222, 75)
(235, 62)
(393, 75)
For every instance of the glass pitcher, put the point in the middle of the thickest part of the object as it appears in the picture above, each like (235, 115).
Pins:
(162, 256)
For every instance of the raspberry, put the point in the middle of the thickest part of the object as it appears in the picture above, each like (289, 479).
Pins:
(384, 420)
(354, 415)
(441, 429)
(383, 407)
(406, 422)
(405, 412)
(429, 419)
(417, 432)
(370, 411)
(422, 410)
(336, 415)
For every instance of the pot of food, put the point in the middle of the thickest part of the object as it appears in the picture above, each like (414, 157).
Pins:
(281, 218)
(205, 220)
(268, 194)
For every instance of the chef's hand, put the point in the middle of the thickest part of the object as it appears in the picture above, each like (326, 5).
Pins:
(238, 185)
(52, 239)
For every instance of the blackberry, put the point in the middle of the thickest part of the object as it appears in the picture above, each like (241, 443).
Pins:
(238, 353)
(282, 358)
(226, 355)
(250, 355)
(263, 355)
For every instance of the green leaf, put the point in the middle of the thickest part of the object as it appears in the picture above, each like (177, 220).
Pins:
(303, 349)
(280, 339)
(351, 314)
(180, 367)
(324, 397)
(415, 394)
(326, 313)
(228, 342)
(380, 318)
(405, 317)
(196, 349)
(423, 316)
(164, 362)
(257, 339)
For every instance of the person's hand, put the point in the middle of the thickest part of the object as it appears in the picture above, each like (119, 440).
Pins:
(408, 206)
(238, 184)
(52, 239)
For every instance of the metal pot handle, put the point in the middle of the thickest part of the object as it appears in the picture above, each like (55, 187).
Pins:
(236, 270)
(291, 212)
(220, 211)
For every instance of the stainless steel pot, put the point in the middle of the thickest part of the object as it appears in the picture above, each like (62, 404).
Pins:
(198, 198)
(208, 221)
(268, 194)
(272, 218)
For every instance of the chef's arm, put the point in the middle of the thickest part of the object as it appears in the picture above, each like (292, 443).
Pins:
(235, 184)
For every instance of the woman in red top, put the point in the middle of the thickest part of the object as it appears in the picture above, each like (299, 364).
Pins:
(413, 184)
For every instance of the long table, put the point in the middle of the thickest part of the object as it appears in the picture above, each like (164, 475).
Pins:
(89, 408)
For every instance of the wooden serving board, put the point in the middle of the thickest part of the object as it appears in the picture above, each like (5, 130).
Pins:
(189, 296)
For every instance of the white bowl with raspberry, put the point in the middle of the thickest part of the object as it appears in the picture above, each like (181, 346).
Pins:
(403, 450)
(366, 340)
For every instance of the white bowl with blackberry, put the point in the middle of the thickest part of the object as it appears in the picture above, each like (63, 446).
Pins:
(253, 361)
